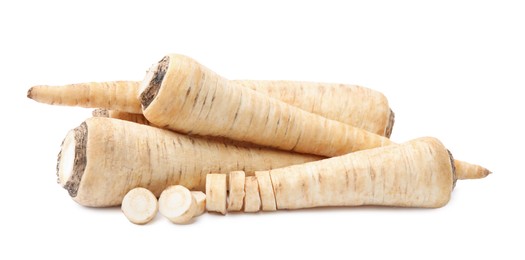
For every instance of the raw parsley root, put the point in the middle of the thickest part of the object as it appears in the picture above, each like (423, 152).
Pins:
(180, 94)
(104, 158)
(354, 105)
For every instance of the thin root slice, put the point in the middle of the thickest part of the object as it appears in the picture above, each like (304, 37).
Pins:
(140, 206)
(177, 204)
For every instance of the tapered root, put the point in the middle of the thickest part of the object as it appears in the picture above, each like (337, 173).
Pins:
(104, 158)
(115, 95)
(177, 204)
(466, 170)
(140, 206)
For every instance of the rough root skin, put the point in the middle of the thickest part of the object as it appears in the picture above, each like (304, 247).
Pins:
(390, 125)
(73, 183)
(147, 96)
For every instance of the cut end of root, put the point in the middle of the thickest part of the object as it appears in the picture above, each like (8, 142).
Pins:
(72, 159)
(390, 125)
(152, 82)
(29, 93)
(454, 173)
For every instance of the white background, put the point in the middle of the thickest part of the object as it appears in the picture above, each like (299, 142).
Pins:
(451, 69)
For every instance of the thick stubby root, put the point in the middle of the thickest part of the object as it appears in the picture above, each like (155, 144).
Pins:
(200, 199)
(115, 95)
(193, 99)
(266, 191)
(236, 181)
(177, 204)
(418, 173)
(140, 206)
(104, 158)
(252, 199)
(216, 193)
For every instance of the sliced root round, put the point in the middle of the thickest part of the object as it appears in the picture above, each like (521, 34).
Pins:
(200, 199)
(216, 193)
(252, 199)
(139, 206)
(236, 197)
(177, 204)
(266, 191)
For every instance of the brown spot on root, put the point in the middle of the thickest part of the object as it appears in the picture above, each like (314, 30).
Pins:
(80, 161)
(454, 175)
(390, 124)
(150, 92)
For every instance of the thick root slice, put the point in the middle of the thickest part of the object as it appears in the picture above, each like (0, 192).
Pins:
(252, 200)
(177, 204)
(200, 199)
(216, 193)
(140, 206)
(236, 187)
(266, 190)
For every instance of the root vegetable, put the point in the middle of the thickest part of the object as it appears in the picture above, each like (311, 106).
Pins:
(181, 94)
(418, 173)
(252, 199)
(177, 204)
(266, 190)
(139, 206)
(114, 95)
(104, 158)
(350, 104)
(216, 193)
(200, 199)
(236, 181)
